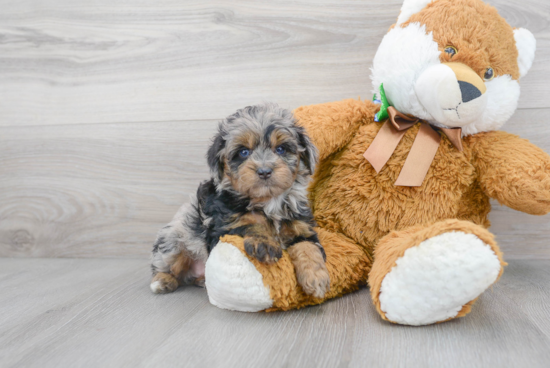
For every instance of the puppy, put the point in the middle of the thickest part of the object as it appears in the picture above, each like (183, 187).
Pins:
(260, 163)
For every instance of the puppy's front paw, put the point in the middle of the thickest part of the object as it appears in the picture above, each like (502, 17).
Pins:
(314, 279)
(311, 271)
(163, 283)
(263, 248)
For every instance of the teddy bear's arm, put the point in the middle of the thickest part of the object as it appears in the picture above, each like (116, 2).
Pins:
(331, 125)
(513, 171)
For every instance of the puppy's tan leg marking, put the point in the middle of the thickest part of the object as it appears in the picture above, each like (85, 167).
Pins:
(163, 283)
(187, 271)
(293, 229)
(180, 267)
(199, 281)
(311, 271)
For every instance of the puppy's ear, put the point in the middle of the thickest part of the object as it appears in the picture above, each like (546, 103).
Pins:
(214, 157)
(308, 151)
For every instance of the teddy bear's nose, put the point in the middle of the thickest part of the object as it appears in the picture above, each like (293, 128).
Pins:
(469, 91)
(471, 85)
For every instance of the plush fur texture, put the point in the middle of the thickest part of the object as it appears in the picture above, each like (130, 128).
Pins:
(409, 8)
(233, 282)
(347, 264)
(452, 262)
(482, 40)
(526, 45)
(448, 270)
(367, 225)
(261, 162)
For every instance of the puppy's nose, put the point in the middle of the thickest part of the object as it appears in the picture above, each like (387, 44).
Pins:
(469, 91)
(264, 172)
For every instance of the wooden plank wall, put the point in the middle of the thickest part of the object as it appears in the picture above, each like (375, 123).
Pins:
(106, 107)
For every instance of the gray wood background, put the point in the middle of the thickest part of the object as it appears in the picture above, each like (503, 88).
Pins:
(106, 107)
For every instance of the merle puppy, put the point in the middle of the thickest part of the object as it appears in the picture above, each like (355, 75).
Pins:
(260, 163)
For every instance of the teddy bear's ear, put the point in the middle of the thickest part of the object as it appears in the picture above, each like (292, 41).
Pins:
(411, 7)
(526, 45)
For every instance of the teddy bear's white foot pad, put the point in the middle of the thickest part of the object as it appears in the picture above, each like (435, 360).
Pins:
(434, 280)
(232, 281)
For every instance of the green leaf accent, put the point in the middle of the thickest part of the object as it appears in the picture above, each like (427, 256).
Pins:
(383, 113)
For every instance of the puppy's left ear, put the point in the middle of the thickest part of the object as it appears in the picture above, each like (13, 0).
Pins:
(308, 152)
(214, 157)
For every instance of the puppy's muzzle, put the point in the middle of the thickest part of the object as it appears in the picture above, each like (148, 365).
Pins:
(264, 173)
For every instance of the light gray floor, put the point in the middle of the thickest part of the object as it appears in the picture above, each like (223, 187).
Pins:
(100, 313)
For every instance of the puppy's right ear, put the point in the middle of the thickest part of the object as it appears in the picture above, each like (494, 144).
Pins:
(309, 152)
(214, 157)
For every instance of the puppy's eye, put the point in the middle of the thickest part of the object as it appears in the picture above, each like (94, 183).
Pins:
(451, 50)
(244, 153)
(280, 150)
(489, 74)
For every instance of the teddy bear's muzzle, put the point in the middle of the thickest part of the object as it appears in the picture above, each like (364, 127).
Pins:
(452, 93)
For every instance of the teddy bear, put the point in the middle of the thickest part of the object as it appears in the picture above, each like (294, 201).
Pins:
(401, 193)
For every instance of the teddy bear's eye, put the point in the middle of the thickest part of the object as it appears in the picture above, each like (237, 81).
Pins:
(451, 50)
(489, 74)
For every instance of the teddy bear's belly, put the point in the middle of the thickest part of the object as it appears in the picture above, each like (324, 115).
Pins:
(350, 197)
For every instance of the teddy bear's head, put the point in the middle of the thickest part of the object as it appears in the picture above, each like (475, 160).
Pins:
(453, 63)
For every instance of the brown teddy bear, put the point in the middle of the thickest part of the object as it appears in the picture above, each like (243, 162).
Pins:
(401, 193)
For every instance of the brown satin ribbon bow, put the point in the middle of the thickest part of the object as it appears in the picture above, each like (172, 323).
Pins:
(422, 151)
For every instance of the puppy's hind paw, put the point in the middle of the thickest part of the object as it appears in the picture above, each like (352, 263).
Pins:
(163, 283)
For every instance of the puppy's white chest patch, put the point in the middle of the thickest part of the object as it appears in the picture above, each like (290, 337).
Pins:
(277, 225)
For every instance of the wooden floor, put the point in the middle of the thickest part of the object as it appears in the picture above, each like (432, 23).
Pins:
(106, 111)
(101, 313)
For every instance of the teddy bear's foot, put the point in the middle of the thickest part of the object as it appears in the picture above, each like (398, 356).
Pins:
(237, 281)
(419, 282)
(233, 282)
(434, 280)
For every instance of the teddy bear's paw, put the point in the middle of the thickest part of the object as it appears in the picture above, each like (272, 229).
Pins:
(433, 281)
(233, 282)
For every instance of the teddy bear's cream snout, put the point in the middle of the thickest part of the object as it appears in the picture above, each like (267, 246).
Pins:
(452, 93)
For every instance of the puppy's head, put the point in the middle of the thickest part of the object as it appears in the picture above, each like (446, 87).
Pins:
(260, 152)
